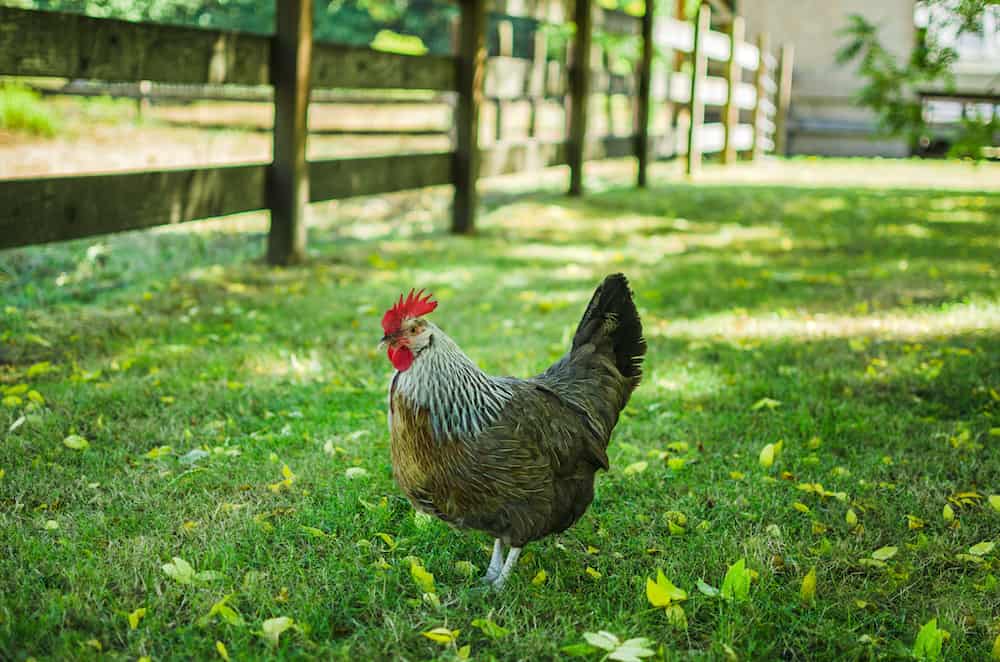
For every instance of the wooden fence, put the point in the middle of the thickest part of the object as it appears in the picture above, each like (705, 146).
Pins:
(36, 44)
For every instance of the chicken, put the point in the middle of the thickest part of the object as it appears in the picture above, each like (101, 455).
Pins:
(515, 458)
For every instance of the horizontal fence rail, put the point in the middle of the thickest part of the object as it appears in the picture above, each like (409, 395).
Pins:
(747, 108)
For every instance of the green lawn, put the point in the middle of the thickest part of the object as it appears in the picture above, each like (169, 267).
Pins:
(857, 325)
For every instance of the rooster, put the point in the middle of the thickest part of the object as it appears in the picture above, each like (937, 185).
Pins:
(515, 458)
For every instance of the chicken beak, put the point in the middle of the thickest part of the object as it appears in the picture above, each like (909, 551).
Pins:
(386, 339)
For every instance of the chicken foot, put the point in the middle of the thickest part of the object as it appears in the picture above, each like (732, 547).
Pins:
(508, 567)
(496, 563)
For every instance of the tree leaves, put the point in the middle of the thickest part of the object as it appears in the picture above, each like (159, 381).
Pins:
(884, 553)
(136, 616)
(630, 650)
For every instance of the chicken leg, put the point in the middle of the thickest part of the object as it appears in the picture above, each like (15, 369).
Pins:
(508, 567)
(496, 563)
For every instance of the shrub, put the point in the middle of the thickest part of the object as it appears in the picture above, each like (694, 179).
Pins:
(22, 109)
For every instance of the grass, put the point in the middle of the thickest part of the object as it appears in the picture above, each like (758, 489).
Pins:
(22, 109)
(860, 326)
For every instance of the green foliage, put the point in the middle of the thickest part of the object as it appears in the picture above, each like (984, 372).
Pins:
(235, 493)
(890, 87)
(23, 109)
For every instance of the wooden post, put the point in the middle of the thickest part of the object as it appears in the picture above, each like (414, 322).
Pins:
(579, 94)
(536, 84)
(505, 43)
(471, 65)
(288, 175)
(784, 99)
(643, 110)
(759, 116)
(698, 71)
(734, 74)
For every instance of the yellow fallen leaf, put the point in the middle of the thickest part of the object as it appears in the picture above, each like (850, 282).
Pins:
(593, 573)
(995, 502)
(801, 507)
(51, 525)
(441, 635)
(982, 549)
(766, 458)
(947, 513)
(662, 592)
(808, 590)
(636, 468)
(736, 475)
(423, 578)
(996, 648)
(272, 628)
(914, 523)
(36, 397)
(464, 652)
(540, 578)
(851, 517)
(136, 616)
(76, 442)
(884, 553)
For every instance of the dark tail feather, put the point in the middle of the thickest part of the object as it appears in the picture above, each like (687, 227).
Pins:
(612, 313)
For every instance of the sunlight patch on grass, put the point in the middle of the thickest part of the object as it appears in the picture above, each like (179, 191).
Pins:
(962, 318)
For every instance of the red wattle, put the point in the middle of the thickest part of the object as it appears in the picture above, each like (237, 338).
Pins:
(401, 358)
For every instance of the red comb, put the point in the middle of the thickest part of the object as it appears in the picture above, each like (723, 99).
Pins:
(414, 305)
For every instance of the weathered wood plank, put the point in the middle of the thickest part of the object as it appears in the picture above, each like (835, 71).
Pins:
(785, 65)
(509, 158)
(644, 101)
(760, 111)
(336, 65)
(41, 43)
(471, 70)
(618, 22)
(734, 72)
(370, 175)
(288, 176)
(676, 35)
(697, 103)
(37, 211)
(579, 91)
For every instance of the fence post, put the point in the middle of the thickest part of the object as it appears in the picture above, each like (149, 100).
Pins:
(759, 116)
(785, 65)
(288, 176)
(698, 70)
(471, 72)
(645, 84)
(536, 85)
(505, 43)
(734, 75)
(579, 93)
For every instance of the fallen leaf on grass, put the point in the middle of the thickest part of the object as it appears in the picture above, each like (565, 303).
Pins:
(930, 641)
(770, 403)
(490, 629)
(423, 578)
(441, 635)
(736, 584)
(808, 590)
(636, 468)
(136, 616)
(76, 442)
(662, 592)
(982, 549)
(272, 628)
(884, 553)
(221, 650)
(540, 578)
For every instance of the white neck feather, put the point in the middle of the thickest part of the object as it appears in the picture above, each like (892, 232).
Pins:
(462, 399)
